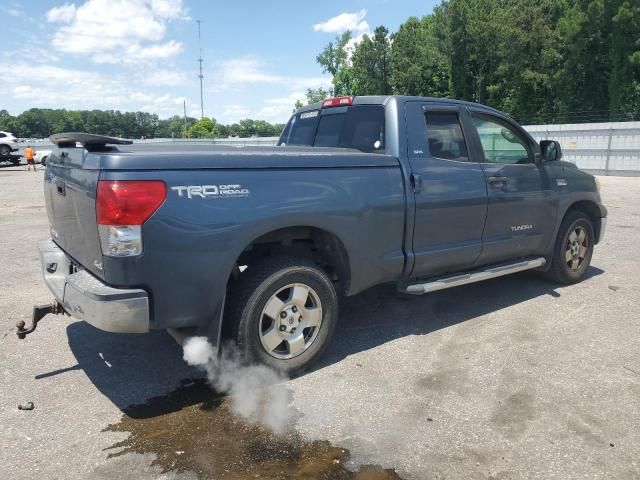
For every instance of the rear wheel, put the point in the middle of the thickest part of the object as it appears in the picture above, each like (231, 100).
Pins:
(282, 312)
(573, 249)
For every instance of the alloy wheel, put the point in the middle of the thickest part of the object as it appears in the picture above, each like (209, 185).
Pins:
(576, 248)
(290, 321)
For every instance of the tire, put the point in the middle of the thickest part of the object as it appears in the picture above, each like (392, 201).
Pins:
(5, 150)
(572, 253)
(43, 161)
(269, 306)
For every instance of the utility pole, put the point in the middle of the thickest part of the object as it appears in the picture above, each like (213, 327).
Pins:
(184, 106)
(200, 76)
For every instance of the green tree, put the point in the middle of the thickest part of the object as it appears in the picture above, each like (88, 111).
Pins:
(624, 87)
(317, 95)
(203, 128)
(334, 60)
(419, 65)
(370, 70)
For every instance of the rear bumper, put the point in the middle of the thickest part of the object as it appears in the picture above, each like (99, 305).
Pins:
(87, 298)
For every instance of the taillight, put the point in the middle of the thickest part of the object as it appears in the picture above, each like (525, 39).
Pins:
(122, 206)
(337, 102)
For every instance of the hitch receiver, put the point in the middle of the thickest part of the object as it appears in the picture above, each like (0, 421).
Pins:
(39, 311)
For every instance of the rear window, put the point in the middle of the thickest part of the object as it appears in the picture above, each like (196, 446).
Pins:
(445, 136)
(360, 127)
(303, 128)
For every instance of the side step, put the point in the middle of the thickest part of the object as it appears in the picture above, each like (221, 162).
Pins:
(471, 277)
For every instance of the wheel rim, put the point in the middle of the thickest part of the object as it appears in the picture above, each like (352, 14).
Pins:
(576, 248)
(290, 321)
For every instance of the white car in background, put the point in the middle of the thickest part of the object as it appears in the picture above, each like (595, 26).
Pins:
(41, 156)
(8, 143)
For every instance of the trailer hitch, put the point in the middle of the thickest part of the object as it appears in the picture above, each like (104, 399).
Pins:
(39, 311)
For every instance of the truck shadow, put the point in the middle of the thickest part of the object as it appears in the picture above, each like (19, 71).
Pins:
(381, 314)
(130, 369)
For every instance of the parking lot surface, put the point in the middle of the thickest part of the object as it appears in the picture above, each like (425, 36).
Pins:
(510, 378)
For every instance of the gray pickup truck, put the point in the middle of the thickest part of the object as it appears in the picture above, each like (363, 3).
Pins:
(256, 244)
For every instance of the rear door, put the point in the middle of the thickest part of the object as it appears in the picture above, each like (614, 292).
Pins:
(449, 189)
(522, 200)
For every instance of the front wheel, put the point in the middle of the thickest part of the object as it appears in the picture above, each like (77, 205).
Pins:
(282, 312)
(573, 249)
(5, 150)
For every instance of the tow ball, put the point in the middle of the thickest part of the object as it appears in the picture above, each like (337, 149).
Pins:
(39, 311)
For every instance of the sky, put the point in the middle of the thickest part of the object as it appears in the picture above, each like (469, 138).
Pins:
(141, 55)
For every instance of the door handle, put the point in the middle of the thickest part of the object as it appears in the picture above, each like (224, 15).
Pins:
(60, 187)
(497, 181)
(416, 182)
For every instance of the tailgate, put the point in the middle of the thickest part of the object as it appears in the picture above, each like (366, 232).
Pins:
(70, 194)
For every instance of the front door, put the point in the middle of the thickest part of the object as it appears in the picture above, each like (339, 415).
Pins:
(522, 200)
(450, 191)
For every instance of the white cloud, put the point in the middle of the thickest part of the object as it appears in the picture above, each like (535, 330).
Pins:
(354, 21)
(127, 31)
(50, 86)
(279, 109)
(63, 14)
(245, 71)
(164, 50)
(164, 78)
(235, 112)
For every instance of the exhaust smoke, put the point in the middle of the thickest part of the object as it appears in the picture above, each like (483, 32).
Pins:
(257, 392)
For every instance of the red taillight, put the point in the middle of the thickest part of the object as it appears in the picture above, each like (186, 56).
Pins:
(337, 102)
(128, 202)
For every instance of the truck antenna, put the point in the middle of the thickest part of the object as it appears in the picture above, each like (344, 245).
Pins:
(184, 106)
(200, 76)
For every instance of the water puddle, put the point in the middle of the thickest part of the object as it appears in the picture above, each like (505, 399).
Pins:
(192, 429)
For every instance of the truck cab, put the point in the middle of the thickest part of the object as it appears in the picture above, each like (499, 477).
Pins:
(482, 190)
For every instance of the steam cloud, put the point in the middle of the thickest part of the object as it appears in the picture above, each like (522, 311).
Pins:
(257, 391)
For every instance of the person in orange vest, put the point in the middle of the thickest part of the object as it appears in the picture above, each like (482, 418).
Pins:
(30, 155)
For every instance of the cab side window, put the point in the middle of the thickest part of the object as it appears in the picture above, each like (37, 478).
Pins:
(444, 136)
(501, 143)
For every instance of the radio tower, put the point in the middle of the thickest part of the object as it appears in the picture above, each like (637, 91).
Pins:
(200, 76)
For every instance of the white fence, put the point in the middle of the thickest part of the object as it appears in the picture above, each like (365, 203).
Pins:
(603, 148)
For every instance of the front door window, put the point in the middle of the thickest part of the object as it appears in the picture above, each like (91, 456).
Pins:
(500, 142)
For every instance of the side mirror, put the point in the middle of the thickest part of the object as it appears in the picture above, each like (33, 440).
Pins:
(550, 150)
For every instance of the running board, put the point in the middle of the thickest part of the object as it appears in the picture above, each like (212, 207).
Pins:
(471, 277)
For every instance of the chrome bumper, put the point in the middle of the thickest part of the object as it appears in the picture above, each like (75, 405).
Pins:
(85, 297)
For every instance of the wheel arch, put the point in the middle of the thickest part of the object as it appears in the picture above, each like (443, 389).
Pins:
(320, 244)
(592, 210)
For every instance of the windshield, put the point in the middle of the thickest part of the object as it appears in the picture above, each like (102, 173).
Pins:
(360, 127)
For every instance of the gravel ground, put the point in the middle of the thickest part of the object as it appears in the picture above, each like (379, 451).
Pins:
(510, 378)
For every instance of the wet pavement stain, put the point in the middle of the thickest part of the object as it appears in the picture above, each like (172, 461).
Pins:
(193, 430)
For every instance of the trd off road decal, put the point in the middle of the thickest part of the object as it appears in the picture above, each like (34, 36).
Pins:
(210, 191)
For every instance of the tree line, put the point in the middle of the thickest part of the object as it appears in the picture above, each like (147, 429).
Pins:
(541, 61)
(42, 122)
